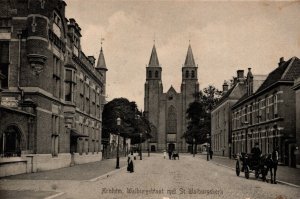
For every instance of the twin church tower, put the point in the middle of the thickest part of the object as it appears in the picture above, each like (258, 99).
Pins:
(167, 111)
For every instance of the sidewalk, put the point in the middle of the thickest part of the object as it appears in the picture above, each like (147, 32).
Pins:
(78, 172)
(284, 173)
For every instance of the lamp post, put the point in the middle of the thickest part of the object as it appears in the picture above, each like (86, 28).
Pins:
(118, 158)
(207, 148)
(194, 140)
(229, 145)
(141, 146)
(148, 149)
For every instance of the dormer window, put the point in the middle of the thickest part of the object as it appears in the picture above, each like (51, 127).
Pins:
(57, 25)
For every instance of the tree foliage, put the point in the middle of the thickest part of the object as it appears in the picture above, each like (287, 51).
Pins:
(132, 120)
(198, 114)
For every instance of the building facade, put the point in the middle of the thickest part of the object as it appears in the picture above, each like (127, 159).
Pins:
(296, 88)
(48, 75)
(221, 115)
(167, 111)
(267, 116)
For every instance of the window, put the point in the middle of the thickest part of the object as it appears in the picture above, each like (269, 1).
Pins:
(187, 74)
(150, 74)
(246, 114)
(57, 25)
(275, 102)
(267, 108)
(11, 142)
(156, 74)
(4, 62)
(69, 85)
(193, 74)
(250, 113)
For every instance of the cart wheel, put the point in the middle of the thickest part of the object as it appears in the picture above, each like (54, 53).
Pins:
(247, 172)
(256, 173)
(237, 168)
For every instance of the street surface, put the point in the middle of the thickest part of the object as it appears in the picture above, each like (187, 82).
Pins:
(155, 177)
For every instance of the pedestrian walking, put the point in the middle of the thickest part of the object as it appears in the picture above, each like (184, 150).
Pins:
(170, 154)
(130, 166)
(165, 154)
(211, 154)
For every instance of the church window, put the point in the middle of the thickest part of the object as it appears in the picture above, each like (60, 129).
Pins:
(172, 121)
(150, 74)
(187, 74)
(193, 74)
(156, 74)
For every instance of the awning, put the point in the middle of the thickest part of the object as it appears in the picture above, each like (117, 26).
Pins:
(76, 134)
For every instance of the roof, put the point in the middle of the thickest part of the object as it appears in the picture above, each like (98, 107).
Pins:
(101, 61)
(189, 60)
(153, 62)
(288, 71)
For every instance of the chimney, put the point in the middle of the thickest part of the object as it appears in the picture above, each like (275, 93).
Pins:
(249, 73)
(281, 61)
(92, 60)
(235, 80)
(240, 75)
(225, 87)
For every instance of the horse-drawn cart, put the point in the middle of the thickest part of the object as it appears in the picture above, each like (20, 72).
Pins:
(247, 163)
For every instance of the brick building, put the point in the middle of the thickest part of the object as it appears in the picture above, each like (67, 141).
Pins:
(221, 117)
(267, 116)
(48, 76)
(296, 87)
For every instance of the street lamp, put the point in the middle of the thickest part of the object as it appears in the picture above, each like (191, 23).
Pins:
(194, 140)
(141, 146)
(148, 144)
(207, 148)
(118, 158)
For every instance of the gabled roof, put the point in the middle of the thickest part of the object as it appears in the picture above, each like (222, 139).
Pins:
(288, 71)
(189, 60)
(153, 62)
(171, 90)
(101, 61)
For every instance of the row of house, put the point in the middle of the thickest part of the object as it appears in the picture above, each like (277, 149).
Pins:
(260, 109)
(52, 93)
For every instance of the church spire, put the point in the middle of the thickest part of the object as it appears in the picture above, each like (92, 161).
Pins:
(189, 60)
(101, 61)
(153, 59)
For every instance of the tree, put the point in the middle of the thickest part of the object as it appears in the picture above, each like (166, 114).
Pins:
(199, 116)
(132, 121)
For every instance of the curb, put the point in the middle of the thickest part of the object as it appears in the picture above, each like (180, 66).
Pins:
(282, 182)
(55, 195)
(106, 175)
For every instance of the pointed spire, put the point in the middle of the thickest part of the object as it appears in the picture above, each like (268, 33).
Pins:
(153, 59)
(101, 61)
(189, 60)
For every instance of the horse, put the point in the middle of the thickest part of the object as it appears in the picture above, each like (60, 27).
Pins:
(271, 163)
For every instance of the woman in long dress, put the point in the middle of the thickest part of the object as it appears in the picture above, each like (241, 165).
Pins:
(130, 162)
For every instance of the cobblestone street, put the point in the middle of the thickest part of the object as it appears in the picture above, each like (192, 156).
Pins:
(154, 177)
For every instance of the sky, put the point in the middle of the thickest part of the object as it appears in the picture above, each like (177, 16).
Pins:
(225, 36)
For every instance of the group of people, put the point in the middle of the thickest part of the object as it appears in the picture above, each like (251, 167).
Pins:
(172, 154)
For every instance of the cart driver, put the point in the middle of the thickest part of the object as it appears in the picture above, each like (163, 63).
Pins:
(256, 152)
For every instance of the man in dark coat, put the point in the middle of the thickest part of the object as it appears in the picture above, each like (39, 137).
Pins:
(256, 152)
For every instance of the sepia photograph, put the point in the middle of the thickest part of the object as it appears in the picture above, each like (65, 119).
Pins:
(149, 99)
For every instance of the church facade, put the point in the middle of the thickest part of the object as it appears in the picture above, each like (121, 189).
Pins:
(167, 111)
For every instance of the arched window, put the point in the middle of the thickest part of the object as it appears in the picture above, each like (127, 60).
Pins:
(187, 74)
(11, 142)
(193, 74)
(172, 120)
(150, 74)
(156, 74)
